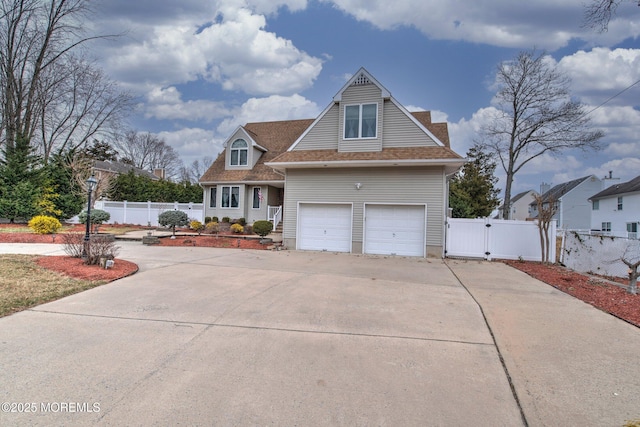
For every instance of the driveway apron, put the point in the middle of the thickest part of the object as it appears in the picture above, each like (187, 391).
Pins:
(571, 364)
(203, 336)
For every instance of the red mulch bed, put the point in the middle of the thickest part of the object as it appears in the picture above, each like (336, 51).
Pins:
(604, 296)
(75, 268)
(213, 242)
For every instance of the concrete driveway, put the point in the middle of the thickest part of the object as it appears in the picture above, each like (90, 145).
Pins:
(205, 336)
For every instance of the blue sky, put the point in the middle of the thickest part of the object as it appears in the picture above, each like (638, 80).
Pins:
(201, 68)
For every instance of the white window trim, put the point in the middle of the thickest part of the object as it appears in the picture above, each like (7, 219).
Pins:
(230, 187)
(231, 150)
(344, 121)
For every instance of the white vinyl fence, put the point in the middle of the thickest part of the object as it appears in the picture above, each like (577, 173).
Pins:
(146, 213)
(496, 238)
(597, 254)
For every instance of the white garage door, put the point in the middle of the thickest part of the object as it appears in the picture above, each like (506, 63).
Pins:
(324, 227)
(395, 230)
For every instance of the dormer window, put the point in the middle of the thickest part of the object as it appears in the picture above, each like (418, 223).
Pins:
(360, 121)
(239, 150)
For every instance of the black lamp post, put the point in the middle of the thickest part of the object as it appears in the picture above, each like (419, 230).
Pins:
(91, 184)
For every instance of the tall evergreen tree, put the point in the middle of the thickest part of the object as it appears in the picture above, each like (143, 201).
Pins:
(20, 181)
(472, 191)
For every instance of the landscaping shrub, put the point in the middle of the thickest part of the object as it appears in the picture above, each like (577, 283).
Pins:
(262, 228)
(43, 224)
(196, 226)
(173, 219)
(240, 221)
(225, 219)
(98, 216)
(100, 246)
(207, 219)
(211, 228)
(215, 219)
(237, 228)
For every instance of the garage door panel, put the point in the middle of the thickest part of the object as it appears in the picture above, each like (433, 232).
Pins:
(324, 227)
(395, 230)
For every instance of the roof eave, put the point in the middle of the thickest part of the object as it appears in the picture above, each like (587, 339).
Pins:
(282, 166)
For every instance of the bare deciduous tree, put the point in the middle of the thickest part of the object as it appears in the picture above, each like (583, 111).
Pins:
(147, 151)
(76, 108)
(39, 75)
(546, 210)
(598, 13)
(81, 167)
(534, 115)
(631, 258)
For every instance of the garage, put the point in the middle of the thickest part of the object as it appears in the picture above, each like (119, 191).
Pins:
(324, 227)
(395, 229)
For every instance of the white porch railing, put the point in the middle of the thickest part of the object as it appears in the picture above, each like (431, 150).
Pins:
(274, 214)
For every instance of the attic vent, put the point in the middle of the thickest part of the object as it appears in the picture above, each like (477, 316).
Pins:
(361, 80)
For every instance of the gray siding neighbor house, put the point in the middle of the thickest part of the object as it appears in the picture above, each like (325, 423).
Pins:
(366, 176)
(520, 209)
(573, 211)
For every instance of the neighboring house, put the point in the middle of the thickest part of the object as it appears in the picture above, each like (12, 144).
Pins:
(616, 210)
(520, 206)
(104, 168)
(573, 209)
(366, 176)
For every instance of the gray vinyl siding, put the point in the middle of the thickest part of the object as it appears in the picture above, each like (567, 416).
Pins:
(324, 135)
(401, 131)
(410, 185)
(367, 94)
(575, 207)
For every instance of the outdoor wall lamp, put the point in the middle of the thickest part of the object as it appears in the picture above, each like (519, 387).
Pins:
(358, 185)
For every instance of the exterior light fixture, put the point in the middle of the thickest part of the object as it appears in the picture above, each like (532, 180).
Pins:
(91, 185)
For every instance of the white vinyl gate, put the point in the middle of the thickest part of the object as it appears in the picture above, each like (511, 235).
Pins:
(494, 238)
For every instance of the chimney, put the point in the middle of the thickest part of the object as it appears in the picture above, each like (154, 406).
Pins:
(544, 187)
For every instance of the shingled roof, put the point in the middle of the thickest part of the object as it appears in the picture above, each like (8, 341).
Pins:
(560, 190)
(632, 186)
(275, 137)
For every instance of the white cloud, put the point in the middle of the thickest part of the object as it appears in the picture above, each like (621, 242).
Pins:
(167, 104)
(546, 23)
(601, 73)
(193, 143)
(227, 45)
(625, 169)
(272, 108)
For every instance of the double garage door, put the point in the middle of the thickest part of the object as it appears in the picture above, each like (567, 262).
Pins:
(388, 229)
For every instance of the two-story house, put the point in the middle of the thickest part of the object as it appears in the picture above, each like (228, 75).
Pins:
(573, 209)
(366, 176)
(616, 210)
(520, 206)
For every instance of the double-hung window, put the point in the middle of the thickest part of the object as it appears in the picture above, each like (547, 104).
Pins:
(360, 121)
(606, 226)
(230, 197)
(595, 205)
(619, 203)
(632, 230)
(239, 150)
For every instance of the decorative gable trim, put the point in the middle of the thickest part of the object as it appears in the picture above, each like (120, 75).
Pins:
(360, 78)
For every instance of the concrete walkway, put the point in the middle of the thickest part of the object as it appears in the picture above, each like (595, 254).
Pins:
(204, 336)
